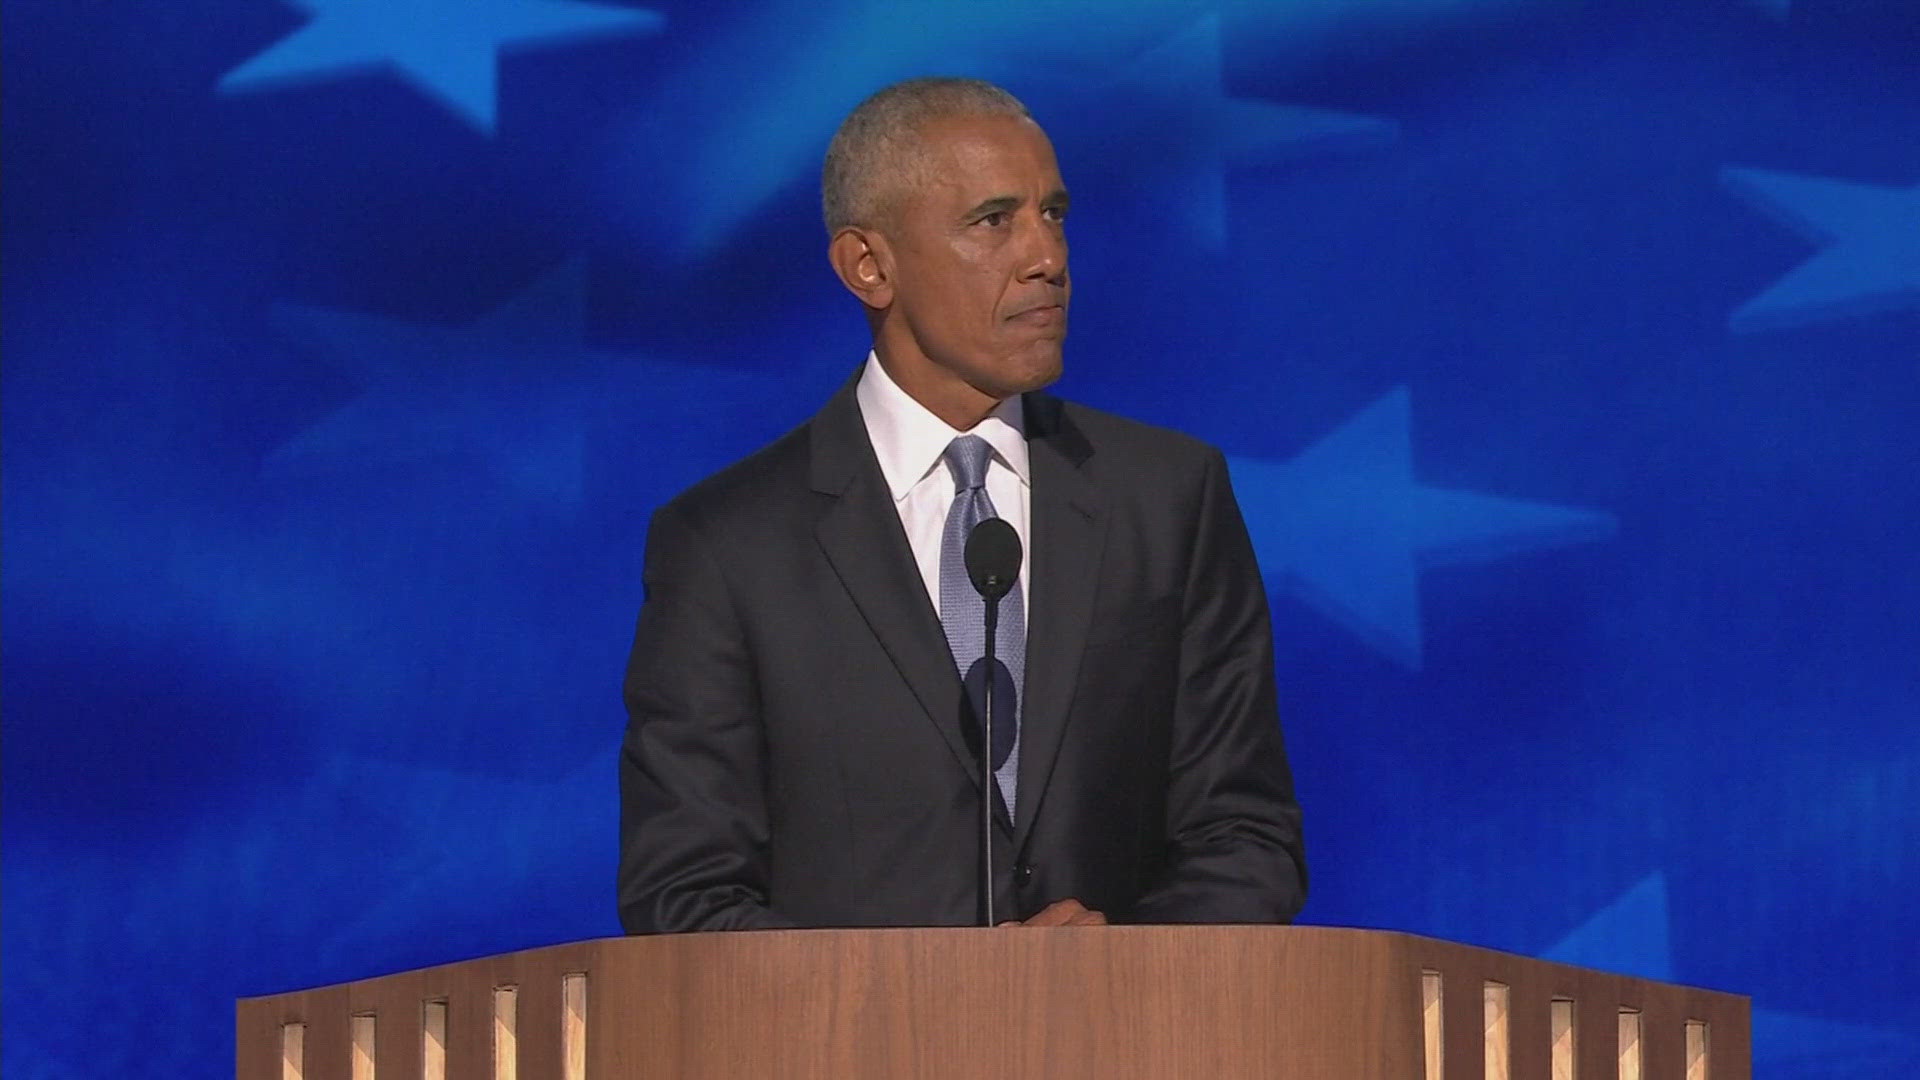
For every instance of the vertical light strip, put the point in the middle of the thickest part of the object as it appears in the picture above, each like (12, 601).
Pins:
(362, 1068)
(1430, 1017)
(293, 1052)
(506, 1039)
(1697, 1050)
(433, 1039)
(1561, 1021)
(573, 1027)
(1629, 1044)
(1494, 1000)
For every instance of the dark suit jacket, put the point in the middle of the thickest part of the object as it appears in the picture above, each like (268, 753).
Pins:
(794, 754)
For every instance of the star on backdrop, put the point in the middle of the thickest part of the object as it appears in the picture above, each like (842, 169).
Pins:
(437, 392)
(1347, 527)
(1869, 259)
(515, 393)
(763, 136)
(445, 48)
(1177, 103)
(1632, 935)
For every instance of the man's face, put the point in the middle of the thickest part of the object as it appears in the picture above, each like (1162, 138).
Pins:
(980, 256)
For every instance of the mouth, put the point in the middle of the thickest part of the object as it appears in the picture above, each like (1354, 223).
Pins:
(1041, 315)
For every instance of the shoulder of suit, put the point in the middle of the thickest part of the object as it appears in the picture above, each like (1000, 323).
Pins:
(1099, 423)
(1129, 444)
(763, 481)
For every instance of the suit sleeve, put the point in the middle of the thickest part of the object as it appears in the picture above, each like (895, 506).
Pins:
(1233, 827)
(693, 816)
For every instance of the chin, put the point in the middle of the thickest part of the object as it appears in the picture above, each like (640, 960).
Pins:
(1045, 376)
(1035, 368)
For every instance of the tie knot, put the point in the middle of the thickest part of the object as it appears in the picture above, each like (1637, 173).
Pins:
(967, 456)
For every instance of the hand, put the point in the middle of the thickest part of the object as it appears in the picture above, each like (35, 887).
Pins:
(1068, 912)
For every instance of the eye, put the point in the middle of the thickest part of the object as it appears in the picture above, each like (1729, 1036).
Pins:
(1055, 213)
(995, 219)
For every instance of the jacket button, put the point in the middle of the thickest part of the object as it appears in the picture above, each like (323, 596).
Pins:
(1024, 872)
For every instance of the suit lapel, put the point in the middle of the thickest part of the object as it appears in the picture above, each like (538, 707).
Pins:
(861, 534)
(1067, 537)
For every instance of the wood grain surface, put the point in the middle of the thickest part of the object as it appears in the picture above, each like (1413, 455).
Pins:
(1113, 1003)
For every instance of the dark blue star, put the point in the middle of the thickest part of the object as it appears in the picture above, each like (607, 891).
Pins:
(1347, 528)
(1179, 105)
(1633, 936)
(446, 48)
(1117, 70)
(510, 390)
(518, 393)
(1869, 259)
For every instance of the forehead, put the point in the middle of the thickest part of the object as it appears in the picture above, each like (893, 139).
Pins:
(969, 158)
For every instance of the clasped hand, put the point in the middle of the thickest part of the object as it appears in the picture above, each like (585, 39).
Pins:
(1068, 912)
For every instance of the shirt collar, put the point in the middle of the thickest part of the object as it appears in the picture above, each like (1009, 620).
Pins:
(908, 439)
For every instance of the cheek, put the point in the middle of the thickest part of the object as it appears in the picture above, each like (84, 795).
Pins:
(976, 285)
(991, 297)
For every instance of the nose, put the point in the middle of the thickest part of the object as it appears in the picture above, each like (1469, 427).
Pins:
(1045, 257)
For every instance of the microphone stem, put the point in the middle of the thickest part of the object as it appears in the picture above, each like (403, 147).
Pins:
(991, 671)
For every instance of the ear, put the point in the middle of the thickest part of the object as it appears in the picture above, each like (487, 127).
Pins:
(865, 265)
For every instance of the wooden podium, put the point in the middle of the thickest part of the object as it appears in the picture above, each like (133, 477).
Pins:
(1148, 1002)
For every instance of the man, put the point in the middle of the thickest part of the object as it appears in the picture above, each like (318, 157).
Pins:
(800, 749)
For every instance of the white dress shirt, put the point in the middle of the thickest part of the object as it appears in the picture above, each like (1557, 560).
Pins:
(909, 441)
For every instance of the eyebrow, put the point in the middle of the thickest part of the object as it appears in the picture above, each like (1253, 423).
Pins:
(1002, 204)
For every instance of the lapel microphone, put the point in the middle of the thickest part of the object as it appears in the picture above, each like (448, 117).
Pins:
(993, 565)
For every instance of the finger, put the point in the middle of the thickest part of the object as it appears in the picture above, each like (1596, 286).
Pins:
(1059, 913)
(1056, 913)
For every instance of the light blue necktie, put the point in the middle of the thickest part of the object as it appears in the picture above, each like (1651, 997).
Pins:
(963, 613)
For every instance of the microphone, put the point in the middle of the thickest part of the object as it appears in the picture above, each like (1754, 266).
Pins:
(993, 558)
(993, 565)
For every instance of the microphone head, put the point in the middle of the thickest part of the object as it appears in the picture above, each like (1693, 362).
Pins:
(993, 558)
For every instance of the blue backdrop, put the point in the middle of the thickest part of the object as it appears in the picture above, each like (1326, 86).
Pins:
(1567, 356)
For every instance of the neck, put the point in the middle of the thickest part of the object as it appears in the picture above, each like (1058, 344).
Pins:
(955, 401)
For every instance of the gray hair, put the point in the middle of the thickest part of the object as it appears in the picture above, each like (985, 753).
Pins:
(877, 147)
